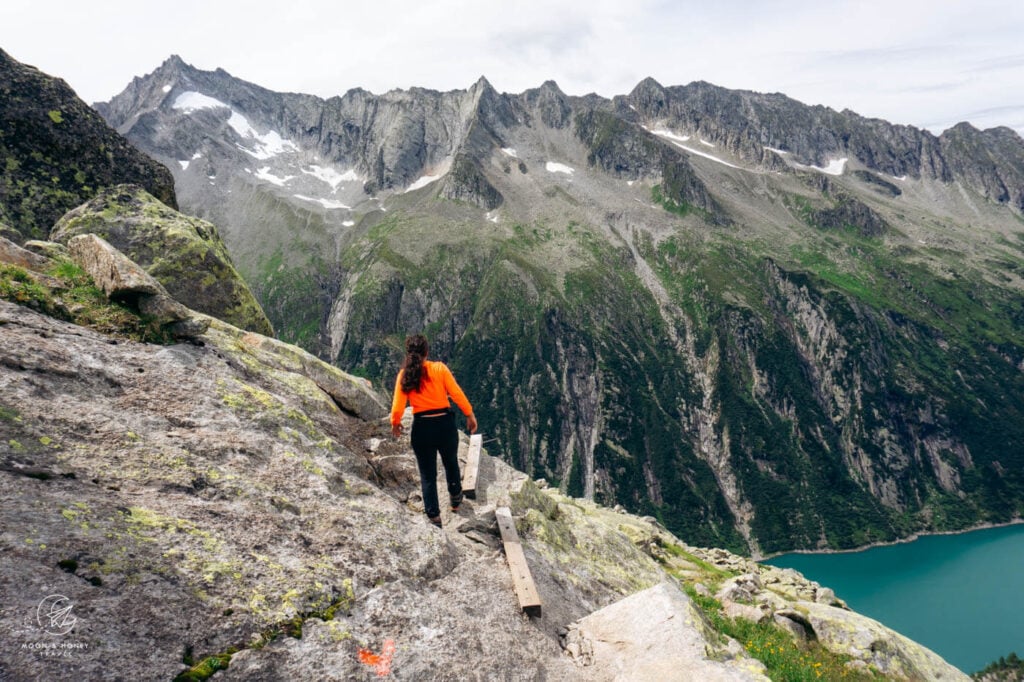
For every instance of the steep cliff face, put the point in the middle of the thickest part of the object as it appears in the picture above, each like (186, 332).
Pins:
(766, 324)
(56, 152)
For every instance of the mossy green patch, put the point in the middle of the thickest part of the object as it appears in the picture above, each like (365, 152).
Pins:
(77, 300)
(785, 660)
(327, 611)
(206, 668)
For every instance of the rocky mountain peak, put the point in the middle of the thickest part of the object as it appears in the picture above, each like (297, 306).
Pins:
(551, 104)
(482, 85)
(551, 87)
(649, 99)
(174, 63)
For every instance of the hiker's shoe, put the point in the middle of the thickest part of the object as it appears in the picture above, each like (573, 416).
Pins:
(436, 520)
(456, 501)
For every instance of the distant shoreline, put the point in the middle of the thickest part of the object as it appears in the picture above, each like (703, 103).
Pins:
(900, 541)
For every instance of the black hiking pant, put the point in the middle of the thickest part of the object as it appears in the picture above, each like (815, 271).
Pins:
(432, 435)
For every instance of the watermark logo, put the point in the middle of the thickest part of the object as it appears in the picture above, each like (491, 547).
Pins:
(54, 615)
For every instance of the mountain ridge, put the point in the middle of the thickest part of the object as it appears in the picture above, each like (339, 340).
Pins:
(898, 161)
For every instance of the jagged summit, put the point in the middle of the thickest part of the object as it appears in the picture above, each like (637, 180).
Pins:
(482, 84)
(175, 62)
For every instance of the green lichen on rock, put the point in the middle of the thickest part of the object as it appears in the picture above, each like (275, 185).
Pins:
(56, 152)
(185, 254)
(575, 532)
(325, 610)
(205, 669)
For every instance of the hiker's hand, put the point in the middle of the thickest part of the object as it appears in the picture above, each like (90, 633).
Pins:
(396, 430)
(471, 423)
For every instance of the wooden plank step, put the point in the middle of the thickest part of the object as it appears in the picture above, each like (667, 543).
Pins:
(472, 466)
(522, 580)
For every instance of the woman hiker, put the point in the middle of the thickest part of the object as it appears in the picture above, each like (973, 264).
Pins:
(427, 384)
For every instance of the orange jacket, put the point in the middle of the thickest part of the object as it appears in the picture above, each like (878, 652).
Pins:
(438, 383)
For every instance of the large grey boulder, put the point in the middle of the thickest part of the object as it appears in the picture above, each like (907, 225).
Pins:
(185, 254)
(123, 280)
(111, 270)
(861, 638)
(656, 634)
(352, 394)
(51, 250)
(13, 254)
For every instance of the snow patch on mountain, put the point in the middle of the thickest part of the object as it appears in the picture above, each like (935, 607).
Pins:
(510, 152)
(265, 145)
(423, 182)
(667, 134)
(707, 156)
(553, 167)
(331, 176)
(166, 88)
(265, 174)
(678, 139)
(326, 203)
(191, 101)
(834, 166)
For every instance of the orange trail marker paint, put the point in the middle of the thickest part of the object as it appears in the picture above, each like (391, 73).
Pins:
(379, 662)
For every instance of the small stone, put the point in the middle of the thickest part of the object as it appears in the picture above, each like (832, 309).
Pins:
(825, 595)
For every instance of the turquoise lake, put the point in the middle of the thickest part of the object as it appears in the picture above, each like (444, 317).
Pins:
(962, 596)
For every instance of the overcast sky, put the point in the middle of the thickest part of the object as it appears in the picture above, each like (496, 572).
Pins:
(928, 64)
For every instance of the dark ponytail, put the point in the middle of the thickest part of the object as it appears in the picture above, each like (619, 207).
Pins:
(416, 348)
